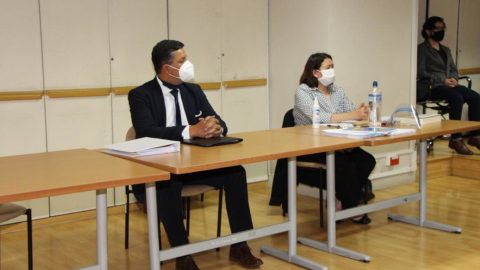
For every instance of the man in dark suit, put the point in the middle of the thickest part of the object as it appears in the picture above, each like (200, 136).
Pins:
(168, 107)
(436, 63)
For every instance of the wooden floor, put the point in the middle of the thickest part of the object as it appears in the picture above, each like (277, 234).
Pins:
(391, 245)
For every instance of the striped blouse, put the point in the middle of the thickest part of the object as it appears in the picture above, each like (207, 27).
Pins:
(305, 96)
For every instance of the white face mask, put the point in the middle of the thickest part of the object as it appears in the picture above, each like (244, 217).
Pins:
(186, 71)
(328, 76)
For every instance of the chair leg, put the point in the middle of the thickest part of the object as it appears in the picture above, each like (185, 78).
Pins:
(184, 208)
(30, 241)
(188, 216)
(219, 220)
(365, 192)
(321, 199)
(159, 236)
(127, 216)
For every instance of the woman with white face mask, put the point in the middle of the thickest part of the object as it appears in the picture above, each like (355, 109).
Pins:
(353, 166)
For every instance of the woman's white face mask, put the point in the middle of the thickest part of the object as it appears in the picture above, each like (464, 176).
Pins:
(328, 76)
(186, 71)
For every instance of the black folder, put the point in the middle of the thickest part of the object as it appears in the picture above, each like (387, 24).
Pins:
(212, 141)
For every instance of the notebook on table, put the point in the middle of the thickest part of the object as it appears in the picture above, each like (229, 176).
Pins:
(212, 141)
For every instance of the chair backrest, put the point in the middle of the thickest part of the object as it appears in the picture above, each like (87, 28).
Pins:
(130, 134)
(288, 120)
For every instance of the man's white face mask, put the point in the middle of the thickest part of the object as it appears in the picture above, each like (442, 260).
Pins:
(328, 76)
(186, 71)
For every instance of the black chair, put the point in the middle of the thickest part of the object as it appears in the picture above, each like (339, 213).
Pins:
(305, 169)
(187, 192)
(9, 211)
(441, 106)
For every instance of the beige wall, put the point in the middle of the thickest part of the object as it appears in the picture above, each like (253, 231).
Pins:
(368, 40)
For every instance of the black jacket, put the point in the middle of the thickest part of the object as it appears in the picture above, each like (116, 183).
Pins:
(147, 108)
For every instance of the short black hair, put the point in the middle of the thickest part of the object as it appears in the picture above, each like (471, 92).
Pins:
(314, 62)
(430, 24)
(162, 53)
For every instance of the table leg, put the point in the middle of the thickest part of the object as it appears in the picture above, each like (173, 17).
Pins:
(291, 256)
(151, 193)
(331, 245)
(422, 220)
(102, 240)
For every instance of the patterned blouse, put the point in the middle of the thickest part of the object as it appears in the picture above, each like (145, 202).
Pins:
(305, 96)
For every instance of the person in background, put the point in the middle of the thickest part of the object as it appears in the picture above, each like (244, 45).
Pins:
(168, 107)
(436, 63)
(352, 166)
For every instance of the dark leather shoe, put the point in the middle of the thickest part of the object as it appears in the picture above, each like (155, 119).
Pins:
(241, 254)
(186, 263)
(474, 141)
(460, 147)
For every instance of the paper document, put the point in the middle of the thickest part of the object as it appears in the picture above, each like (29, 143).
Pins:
(361, 132)
(143, 147)
(337, 125)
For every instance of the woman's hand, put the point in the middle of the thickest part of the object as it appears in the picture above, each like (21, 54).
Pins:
(361, 112)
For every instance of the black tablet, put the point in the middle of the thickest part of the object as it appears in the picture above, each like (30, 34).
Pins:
(212, 141)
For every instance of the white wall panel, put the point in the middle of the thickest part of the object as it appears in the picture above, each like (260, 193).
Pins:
(245, 53)
(448, 10)
(295, 33)
(244, 39)
(469, 35)
(20, 54)
(76, 55)
(197, 24)
(76, 202)
(135, 28)
(23, 121)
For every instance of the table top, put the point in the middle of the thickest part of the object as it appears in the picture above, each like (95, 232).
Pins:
(427, 131)
(41, 175)
(256, 146)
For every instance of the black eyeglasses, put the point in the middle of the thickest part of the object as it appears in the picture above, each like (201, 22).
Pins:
(440, 28)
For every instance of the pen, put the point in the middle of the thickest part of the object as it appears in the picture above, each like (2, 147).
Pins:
(337, 126)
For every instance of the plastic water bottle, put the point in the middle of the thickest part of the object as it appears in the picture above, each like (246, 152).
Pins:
(316, 114)
(375, 104)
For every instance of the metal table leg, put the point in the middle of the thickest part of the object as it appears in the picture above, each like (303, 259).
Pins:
(422, 220)
(291, 256)
(151, 193)
(331, 245)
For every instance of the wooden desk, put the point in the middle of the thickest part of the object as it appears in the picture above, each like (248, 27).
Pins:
(427, 131)
(256, 146)
(40, 175)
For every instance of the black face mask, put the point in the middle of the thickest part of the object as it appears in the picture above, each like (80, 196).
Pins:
(437, 36)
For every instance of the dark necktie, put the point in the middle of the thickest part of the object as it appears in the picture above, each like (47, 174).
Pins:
(178, 117)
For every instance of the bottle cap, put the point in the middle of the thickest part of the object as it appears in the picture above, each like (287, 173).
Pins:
(315, 102)
(375, 83)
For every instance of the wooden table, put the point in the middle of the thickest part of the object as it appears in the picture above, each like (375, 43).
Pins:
(33, 176)
(427, 131)
(256, 146)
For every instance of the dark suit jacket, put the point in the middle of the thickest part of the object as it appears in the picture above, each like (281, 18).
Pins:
(147, 108)
(431, 65)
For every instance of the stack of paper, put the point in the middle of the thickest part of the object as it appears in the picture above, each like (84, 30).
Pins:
(365, 132)
(143, 147)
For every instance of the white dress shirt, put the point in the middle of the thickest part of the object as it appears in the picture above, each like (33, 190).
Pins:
(170, 109)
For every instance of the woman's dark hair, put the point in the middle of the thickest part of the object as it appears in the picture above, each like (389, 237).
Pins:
(163, 54)
(314, 62)
(430, 24)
